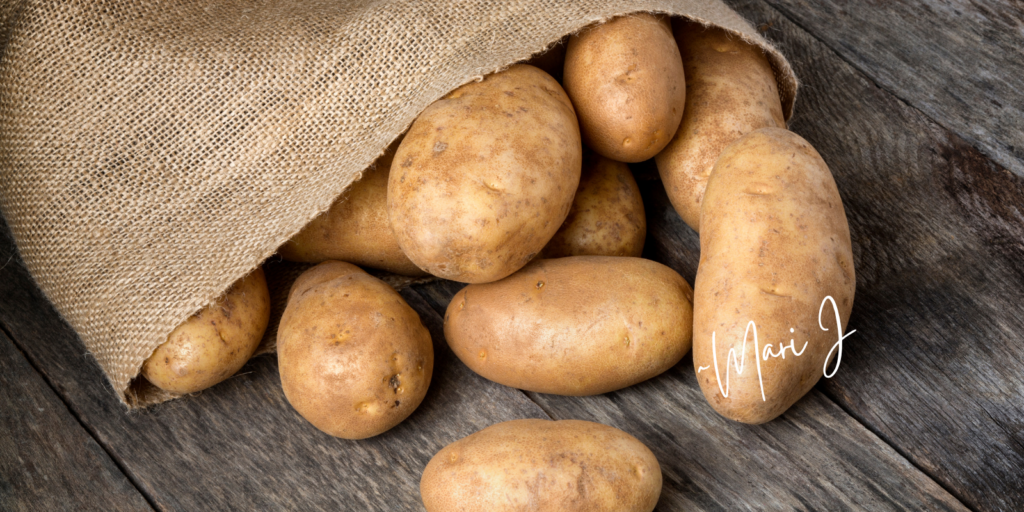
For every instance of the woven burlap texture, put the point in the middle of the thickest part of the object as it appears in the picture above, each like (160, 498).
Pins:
(153, 153)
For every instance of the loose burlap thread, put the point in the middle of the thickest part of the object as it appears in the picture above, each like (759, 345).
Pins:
(153, 153)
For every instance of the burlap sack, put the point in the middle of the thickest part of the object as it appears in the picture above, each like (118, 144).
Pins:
(153, 153)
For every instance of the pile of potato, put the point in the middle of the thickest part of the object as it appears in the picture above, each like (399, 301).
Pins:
(518, 185)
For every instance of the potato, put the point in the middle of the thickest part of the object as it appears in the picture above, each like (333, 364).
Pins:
(215, 342)
(581, 325)
(485, 176)
(774, 243)
(625, 78)
(354, 358)
(607, 215)
(356, 228)
(730, 90)
(543, 466)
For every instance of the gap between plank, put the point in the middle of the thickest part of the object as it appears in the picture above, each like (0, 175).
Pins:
(541, 407)
(117, 461)
(895, 448)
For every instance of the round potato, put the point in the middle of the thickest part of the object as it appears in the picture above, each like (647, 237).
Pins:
(774, 243)
(214, 343)
(730, 91)
(607, 216)
(626, 80)
(581, 325)
(356, 228)
(543, 466)
(485, 176)
(354, 358)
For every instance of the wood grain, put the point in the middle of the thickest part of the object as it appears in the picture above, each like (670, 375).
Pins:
(47, 460)
(935, 367)
(814, 457)
(960, 62)
(239, 445)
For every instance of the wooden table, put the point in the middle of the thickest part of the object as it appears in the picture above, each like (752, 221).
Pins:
(916, 107)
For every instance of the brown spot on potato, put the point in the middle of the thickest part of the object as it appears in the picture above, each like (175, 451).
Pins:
(467, 222)
(328, 385)
(607, 214)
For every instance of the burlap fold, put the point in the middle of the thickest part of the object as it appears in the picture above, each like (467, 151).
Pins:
(153, 153)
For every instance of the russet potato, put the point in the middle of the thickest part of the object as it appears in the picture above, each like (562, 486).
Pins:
(356, 228)
(581, 325)
(607, 215)
(485, 176)
(774, 243)
(214, 343)
(543, 466)
(354, 358)
(626, 81)
(730, 91)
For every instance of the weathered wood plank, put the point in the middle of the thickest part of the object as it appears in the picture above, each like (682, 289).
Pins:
(239, 445)
(814, 457)
(960, 62)
(47, 460)
(936, 367)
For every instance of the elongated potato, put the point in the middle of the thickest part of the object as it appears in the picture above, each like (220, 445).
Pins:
(486, 176)
(354, 358)
(625, 78)
(543, 466)
(215, 342)
(607, 215)
(356, 228)
(581, 325)
(730, 91)
(774, 243)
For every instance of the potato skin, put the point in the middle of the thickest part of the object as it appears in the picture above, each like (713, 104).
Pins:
(485, 176)
(730, 91)
(543, 465)
(774, 243)
(607, 215)
(356, 228)
(216, 342)
(626, 80)
(581, 325)
(354, 358)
